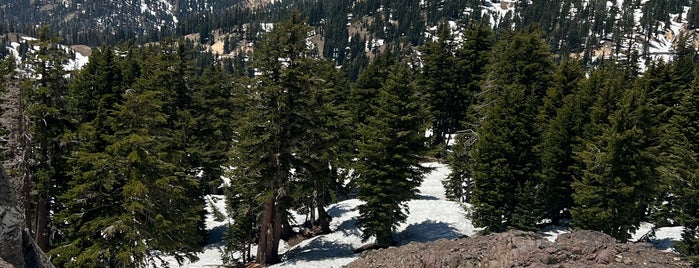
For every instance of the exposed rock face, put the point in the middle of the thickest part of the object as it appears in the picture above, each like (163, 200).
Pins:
(17, 247)
(10, 224)
(522, 249)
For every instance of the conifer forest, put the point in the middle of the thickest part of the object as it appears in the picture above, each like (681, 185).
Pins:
(562, 112)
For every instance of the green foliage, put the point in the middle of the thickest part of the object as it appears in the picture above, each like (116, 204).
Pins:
(562, 117)
(503, 159)
(472, 59)
(619, 169)
(680, 170)
(390, 150)
(128, 184)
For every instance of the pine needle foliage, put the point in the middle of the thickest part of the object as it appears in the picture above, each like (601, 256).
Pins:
(392, 144)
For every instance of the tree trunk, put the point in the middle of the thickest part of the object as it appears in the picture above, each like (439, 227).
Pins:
(312, 211)
(42, 224)
(323, 217)
(265, 241)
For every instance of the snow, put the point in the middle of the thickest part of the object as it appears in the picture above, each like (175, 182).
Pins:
(77, 63)
(431, 217)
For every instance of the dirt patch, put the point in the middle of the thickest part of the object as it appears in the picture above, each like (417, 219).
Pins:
(522, 249)
(84, 50)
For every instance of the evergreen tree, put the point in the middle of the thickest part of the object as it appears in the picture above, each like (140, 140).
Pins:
(326, 148)
(392, 144)
(503, 159)
(128, 186)
(447, 102)
(473, 57)
(49, 121)
(681, 169)
(618, 175)
(277, 112)
(562, 116)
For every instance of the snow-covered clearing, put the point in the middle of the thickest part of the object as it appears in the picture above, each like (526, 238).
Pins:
(431, 217)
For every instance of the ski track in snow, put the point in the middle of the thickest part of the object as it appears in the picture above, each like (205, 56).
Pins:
(431, 217)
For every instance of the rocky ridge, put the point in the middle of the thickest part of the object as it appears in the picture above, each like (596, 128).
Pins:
(522, 249)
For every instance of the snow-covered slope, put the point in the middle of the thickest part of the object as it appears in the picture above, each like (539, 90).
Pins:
(431, 217)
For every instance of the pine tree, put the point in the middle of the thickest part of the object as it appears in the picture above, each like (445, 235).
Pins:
(441, 83)
(128, 186)
(277, 112)
(473, 57)
(503, 158)
(326, 148)
(681, 169)
(562, 116)
(49, 121)
(211, 133)
(391, 147)
(618, 175)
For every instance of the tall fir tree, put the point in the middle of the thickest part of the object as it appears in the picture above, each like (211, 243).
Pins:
(681, 169)
(473, 57)
(278, 107)
(442, 85)
(503, 159)
(562, 116)
(128, 185)
(618, 168)
(49, 122)
(391, 148)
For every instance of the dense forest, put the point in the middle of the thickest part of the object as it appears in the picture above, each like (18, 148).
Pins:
(112, 161)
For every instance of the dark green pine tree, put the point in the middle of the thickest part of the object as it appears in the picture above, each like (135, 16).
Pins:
(211, 135)
(327, 147)
(665, 86)
(503, 159)
(50, 120)
(562, 117)
(278, 108)
(94, 92)
(128, 185)
(392, 144)
(447, 103)
(618, 173)
(681, 171)
(473, 57)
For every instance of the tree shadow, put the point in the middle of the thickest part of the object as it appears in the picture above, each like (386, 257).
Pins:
(215, 235)
(426, 197)
(427, 231)
(349, 227)
(338, 210)
(318, 249)
(663, 244)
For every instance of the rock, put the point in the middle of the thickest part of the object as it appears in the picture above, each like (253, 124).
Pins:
(16, 243)
(4, 264)
(10, 224)
(521, 249)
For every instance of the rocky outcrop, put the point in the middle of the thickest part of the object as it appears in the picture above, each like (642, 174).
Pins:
(522, 249)
(10, 224)
(17, 247)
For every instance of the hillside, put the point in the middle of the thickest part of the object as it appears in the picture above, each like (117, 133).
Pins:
(352, 32)
(433, 220)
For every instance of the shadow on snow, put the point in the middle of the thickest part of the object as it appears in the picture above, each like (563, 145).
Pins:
(318, 249)
(427, 231)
